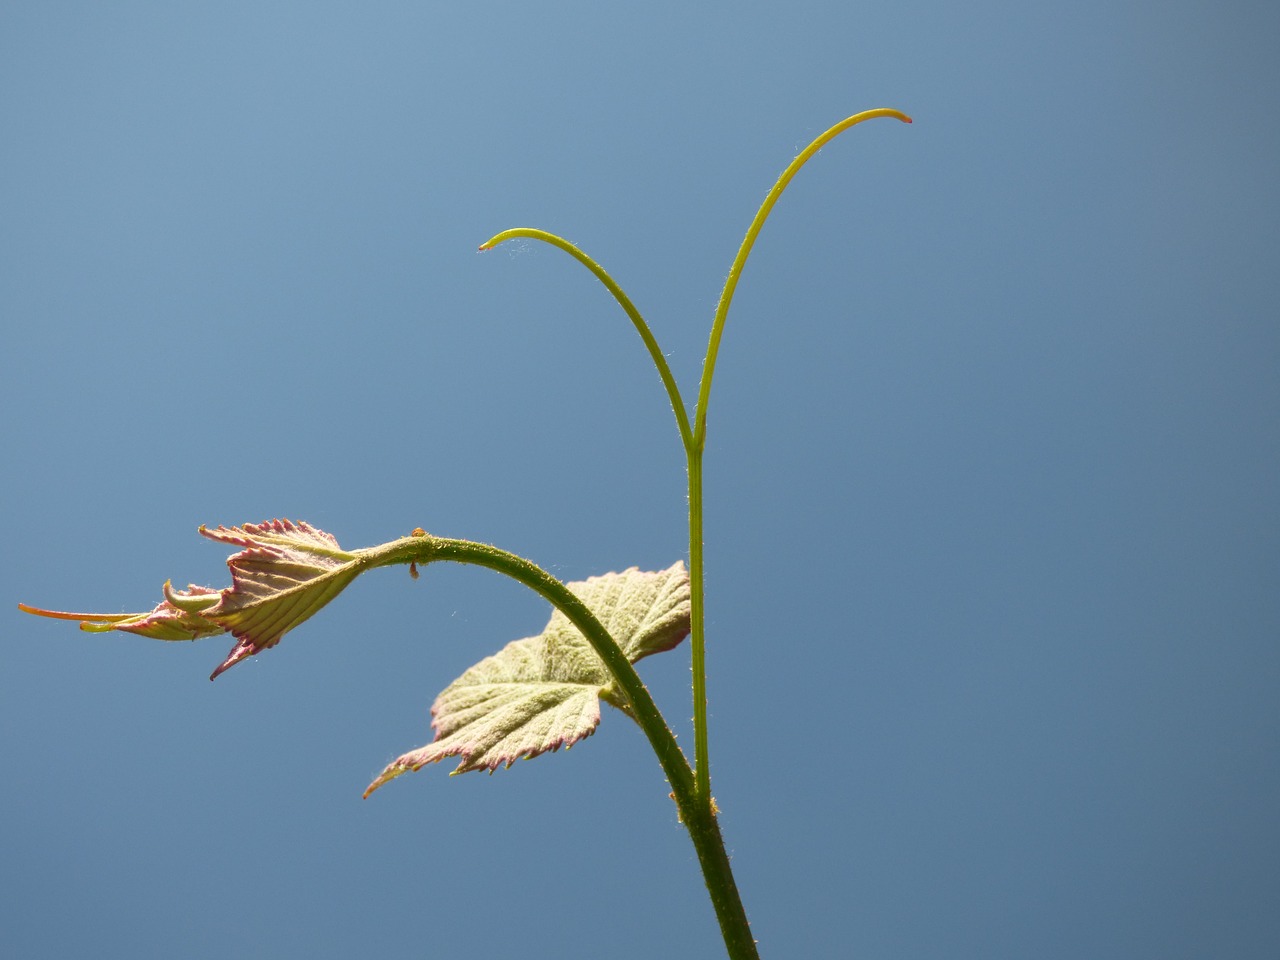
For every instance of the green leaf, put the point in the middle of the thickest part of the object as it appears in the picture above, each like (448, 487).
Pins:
(541, 693)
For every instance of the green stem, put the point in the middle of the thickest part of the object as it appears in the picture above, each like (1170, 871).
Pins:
(695, 444)
(735, 271)
(692, 789)
(697, 631)
(659, 361)
(698, 817)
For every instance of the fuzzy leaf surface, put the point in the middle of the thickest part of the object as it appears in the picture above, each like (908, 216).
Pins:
(541, 693)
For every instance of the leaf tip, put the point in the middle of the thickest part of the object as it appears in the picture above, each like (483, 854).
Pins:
(392, 771)
(241, 651)
(52, 614)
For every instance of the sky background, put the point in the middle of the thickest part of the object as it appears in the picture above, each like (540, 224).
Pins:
(992, 533)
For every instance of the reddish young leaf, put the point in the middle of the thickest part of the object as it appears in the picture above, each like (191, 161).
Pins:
(167, 621)
(284, 574)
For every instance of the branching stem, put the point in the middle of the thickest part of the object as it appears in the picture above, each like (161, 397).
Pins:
(693, 450)
(694, 798)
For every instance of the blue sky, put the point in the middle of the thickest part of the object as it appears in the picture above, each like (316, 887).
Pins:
(992, 527)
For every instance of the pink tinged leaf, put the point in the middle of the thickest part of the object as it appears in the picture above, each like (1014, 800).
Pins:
(285, 574)
(166, 622)
(506, 724)
(541, 693)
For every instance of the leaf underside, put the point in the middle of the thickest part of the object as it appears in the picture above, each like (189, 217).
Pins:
(541, 693)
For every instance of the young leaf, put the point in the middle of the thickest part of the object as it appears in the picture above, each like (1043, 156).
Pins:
(542, 693)
(171, 619)
(284, 574)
